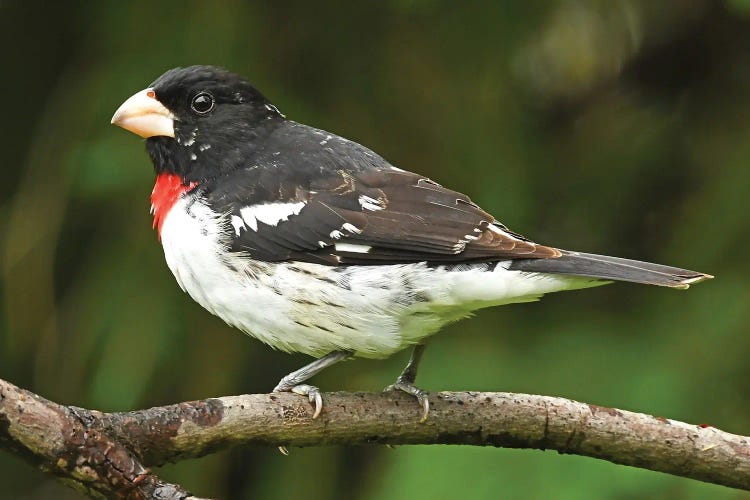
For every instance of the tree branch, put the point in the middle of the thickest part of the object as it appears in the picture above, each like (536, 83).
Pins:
(69, 443)
(104, 452)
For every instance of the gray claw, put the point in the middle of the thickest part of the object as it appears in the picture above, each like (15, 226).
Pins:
(418, 393)
(425, 402)
(313, 394)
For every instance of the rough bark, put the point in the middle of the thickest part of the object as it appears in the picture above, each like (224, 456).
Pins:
(69, 443)
(106, 453)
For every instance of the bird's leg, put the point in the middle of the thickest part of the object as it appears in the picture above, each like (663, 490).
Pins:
(405, 381)
(293, 381)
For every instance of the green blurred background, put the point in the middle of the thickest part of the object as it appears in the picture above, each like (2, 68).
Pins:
(617, 127)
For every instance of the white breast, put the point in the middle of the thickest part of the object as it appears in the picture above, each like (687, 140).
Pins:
(315, 309)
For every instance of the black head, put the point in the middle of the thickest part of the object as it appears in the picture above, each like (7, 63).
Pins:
(199, 121)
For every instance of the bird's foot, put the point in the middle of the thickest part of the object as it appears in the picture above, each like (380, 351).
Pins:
(409, 388)
(312, 393)
(293, 382)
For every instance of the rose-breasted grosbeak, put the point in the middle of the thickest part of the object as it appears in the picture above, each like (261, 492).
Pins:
(313, 243)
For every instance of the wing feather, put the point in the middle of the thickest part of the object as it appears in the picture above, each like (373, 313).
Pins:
(400, 216)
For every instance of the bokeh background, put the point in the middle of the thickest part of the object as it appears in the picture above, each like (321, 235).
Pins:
(616, 127)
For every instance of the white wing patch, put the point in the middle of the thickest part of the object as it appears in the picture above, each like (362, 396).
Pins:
(238, 223)
(337, 234)
(371, 204)
(270, 213)
(348, 247)
(351, 228)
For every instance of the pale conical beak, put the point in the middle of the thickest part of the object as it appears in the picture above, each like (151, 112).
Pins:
(144, 115)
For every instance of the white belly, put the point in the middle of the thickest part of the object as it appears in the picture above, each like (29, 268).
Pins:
(373, 311)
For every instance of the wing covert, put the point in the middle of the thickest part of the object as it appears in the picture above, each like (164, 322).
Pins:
(377, 216)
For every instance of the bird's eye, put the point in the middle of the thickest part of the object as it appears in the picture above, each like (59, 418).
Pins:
(203, 102)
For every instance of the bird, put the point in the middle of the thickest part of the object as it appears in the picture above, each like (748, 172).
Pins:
(315, 244)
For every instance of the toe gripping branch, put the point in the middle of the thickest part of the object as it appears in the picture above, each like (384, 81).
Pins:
(294, 382)
(405, 382)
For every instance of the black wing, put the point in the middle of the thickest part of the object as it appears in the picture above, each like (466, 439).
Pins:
(372, 216)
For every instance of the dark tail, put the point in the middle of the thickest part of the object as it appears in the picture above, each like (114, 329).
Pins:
(611, 268)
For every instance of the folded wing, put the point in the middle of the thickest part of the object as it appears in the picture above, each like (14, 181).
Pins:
(379, 216)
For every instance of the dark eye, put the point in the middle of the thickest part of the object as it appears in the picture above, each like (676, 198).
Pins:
(203, 102)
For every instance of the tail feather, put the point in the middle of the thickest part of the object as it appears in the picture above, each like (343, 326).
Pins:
(611, 268)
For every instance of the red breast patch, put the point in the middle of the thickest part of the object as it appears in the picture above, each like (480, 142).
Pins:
(167, 190)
